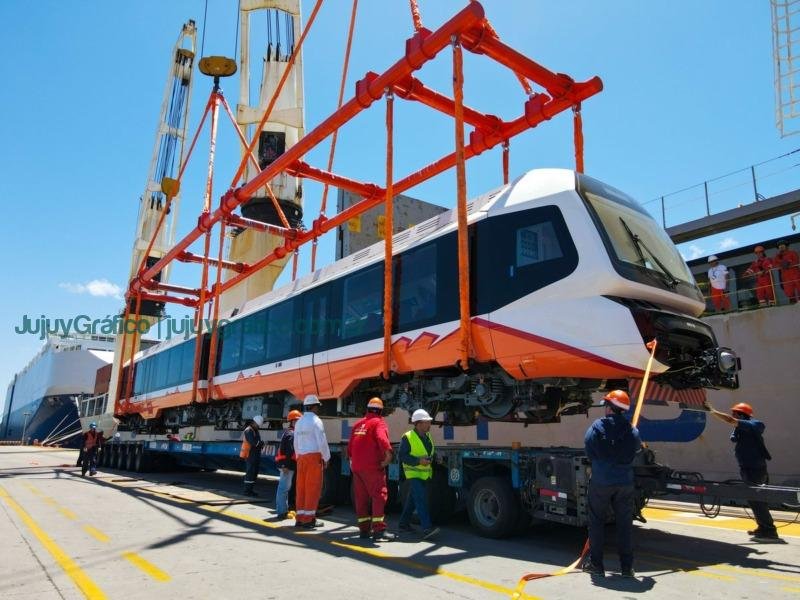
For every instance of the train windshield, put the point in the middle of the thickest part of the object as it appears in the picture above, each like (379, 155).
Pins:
(634, 236)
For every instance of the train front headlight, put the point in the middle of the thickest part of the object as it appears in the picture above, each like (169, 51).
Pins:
(728, 362)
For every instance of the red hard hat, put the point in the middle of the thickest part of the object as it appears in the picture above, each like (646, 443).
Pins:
(294, 415)
(758, 249)
(375, 403)
(744, 408)
(618, 398)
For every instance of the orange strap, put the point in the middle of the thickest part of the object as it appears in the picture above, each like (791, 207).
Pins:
(577, 123)
(415, 16)
(461, 183)
(335, 135)
(388, 230)
(505, 162)
(278, 89)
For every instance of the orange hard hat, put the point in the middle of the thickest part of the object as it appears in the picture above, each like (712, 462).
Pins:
(618, 398)
(375, 403)
(294, 415)
(758, 249)
(744, 408)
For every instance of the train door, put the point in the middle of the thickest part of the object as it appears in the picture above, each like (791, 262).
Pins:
(314, 326)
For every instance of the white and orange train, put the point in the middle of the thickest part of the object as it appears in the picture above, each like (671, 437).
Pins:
(570, 279)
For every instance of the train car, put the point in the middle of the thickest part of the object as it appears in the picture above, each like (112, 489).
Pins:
(570, 278)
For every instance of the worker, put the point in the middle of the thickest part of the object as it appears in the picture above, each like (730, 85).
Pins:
(761, 269)
(92, 441)
(611, 444)
(752, 456)
(370, 452)
(251, 453)
(286, 461)
(718, 281)
(416, 456)
(789, 264)
(313, 454)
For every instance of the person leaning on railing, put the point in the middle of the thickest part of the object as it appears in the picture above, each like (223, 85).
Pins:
(718, 282)
(760, 269)
(789, 264)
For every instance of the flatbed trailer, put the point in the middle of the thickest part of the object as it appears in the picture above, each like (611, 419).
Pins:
(503, 490)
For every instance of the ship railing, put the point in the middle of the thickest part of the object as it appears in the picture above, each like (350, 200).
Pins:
(92, 406)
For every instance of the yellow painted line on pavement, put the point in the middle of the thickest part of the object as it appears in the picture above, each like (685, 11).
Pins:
(696, 571)
(488, 585)
(70, 567)
(729, 568)
(96, 533)
(732, 523)
(32, 489)
(68, 513)
(146, 566)
(792, 590)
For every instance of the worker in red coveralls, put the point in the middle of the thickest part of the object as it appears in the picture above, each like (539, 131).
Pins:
(789, 263)
(760, 269)
(370, 453)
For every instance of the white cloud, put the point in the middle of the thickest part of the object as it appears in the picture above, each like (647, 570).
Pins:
(96, 287)
(696, 252)
(728, 243)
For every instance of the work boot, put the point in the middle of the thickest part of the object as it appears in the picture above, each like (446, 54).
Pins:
(593, 569)
(430, 532)
(628, 572)
(383, 536)
(313, 524)
(250, 493)
(768, 536)
(756, 531)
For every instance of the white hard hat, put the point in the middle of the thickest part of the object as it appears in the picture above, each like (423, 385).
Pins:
(258, 420)
(310, 400)
(421, 415)
(712, 258)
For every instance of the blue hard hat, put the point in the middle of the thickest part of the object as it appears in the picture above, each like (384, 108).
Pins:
(93, 425)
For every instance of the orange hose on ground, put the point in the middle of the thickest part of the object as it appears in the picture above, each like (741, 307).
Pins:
(577, 124)
(568, 569)
(461, 187)
(388, 230)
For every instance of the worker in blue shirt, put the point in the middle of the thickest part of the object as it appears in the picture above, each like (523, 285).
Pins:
(611, 444)
(752, 456)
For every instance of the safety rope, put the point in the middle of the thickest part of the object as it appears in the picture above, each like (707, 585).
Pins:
(577, 124)
(461, 195)
(634, 422)
(276, 94)
(416, 18)
(388, 231)
(335, 136)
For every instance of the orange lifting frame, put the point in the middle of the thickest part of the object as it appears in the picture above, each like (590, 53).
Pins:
(469, 30)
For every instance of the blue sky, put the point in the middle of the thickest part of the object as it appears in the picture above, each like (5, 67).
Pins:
(688, 96)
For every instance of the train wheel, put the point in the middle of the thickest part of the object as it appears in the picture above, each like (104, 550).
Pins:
(498, 409)
(493, 507)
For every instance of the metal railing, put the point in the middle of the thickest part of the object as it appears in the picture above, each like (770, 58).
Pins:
(95, 405)
(742, 294)
(751, 184)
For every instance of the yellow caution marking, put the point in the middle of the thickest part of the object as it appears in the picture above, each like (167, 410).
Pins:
(696, 571)
(96, 534)
(32, 489)
(50, 501)
(146, 566)
(70, 567)
(732, 523)
(68, 513)
(792, 590)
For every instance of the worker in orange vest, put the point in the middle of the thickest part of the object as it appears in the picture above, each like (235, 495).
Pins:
(370, 453)
(286, 461)
(789, 264)
(251, 453)
(313, 454)
(760, 269)
(92, 441)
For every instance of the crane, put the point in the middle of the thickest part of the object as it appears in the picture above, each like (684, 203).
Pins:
(158, 205)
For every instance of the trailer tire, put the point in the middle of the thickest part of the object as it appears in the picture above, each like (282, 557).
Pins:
(115, 456)
(493, 507)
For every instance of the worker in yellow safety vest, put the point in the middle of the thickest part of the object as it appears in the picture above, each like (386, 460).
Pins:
(416, 456)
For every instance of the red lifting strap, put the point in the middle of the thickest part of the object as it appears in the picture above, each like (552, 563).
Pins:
(577, 124)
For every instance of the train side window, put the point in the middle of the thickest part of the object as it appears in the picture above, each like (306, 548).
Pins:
(362, 305)
(138, 378)
(162, 366)
(147, 381)
(173, 365)
(416, 280)
(315, 322)
(187, 361)
(254, 339)
(280, 331)
(520, 253)
(231, 355)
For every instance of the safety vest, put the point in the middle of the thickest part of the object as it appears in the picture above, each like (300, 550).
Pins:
(245, 450)
(418, 451)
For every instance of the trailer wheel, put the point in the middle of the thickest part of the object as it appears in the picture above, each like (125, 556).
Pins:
(493, 507)
(141, 460)
(116, 455)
